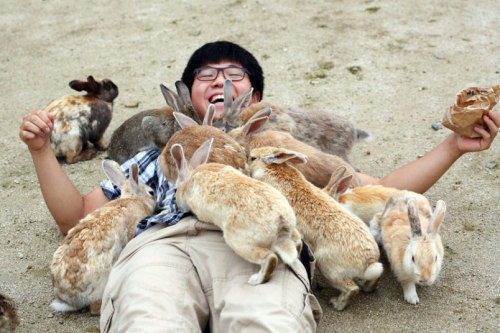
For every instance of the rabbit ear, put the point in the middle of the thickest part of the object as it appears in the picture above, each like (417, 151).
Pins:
(256, 123)
(436, 218)
(336, 176)
(172, 99)
(282, 156)
(78, 85)
(180, 161)
(200, 156)
(92, 85)
(241, 103)
(228, 99)
(414, 218)
(184, 121)
(114, 172)
(183, 92)
(209, 115)
(133, 174)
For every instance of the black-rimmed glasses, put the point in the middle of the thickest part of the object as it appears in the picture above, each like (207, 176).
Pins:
(209, 73)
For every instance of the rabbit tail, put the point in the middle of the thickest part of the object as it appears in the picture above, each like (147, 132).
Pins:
(362, 135)
(59, 305)
(373, 271)
(285, 247)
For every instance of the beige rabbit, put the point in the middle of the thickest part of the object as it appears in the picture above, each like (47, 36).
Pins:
(408, 231)
(256, 220)
(362, 201)
(319, 166)
(342, 244)
(225, 150)
(81, 265)
(8, 315)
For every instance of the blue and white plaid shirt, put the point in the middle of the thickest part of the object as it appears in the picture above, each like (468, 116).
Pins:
(150, 173)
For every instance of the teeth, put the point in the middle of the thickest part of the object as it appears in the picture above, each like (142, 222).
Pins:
(217, 97)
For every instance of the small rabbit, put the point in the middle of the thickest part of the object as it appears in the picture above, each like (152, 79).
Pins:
(225, 149)
(81, 265)
(79, 119)
(362, 201)
(325, 131)
(319, 166)
(143, 130)
(344, 248)
(8, 316)
(256, 220)
(409, 234)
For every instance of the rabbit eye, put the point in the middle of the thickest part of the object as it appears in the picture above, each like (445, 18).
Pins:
(164, 123)
(412, 258)
(253, 158)
(151, 192)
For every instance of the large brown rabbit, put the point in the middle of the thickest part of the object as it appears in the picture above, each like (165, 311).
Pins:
(342, 244)
(82, 119)
(256, 220)
(81, 265)
(319, 166)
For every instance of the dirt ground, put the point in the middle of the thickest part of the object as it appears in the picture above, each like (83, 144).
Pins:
(391, 67)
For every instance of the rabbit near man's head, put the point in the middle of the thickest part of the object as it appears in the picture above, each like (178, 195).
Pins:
(82, 119)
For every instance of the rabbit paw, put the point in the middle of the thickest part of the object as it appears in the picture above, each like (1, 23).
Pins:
(255, 279)
(410, 293)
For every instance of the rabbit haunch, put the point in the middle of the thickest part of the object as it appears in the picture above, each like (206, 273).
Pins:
(342, 244)
(82, 119)
(81, 265)
(256, 220)
(408, 231)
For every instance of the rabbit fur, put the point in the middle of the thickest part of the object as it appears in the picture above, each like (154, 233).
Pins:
(319, 166)
(146, 129)
(363, 201)
(225, 150)
(8, 315)
(344, 248)
(82, 119)
(325, 131)
(81, 265)
(256, 220)
(408, 231)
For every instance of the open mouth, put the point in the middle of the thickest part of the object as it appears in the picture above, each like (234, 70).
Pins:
(217, 99)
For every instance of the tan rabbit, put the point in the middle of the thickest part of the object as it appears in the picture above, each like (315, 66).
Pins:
(256, 220)
(362, 201)
(82, 119)
(342, 244)
(319, 166)
(409, 234)
(225, 150)
(81, 265)
(325, 131)
(8, 315)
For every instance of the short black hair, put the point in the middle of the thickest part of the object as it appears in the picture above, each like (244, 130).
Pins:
(224, 51)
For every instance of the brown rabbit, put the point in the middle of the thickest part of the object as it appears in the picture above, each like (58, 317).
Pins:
(343, 246)
(81, 265)
(224, 149)
(325, 131)
(256, 220)
(82, 119)
(319, 166)
(8, 315)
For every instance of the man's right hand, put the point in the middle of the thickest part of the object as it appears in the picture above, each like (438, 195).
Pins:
(35, 129)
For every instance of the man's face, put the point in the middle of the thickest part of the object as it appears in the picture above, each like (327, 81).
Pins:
(204, 93)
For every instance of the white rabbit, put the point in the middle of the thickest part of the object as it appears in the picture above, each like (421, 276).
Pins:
(342, 244)
(256, 220)
(409, 234)
(81, 265)
(363, 201)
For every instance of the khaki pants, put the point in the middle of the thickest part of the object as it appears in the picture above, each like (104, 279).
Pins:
(183, 277)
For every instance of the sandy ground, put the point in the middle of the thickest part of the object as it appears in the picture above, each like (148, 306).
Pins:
(412, 58)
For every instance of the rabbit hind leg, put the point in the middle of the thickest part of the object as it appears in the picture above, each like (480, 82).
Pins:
(348, 290)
